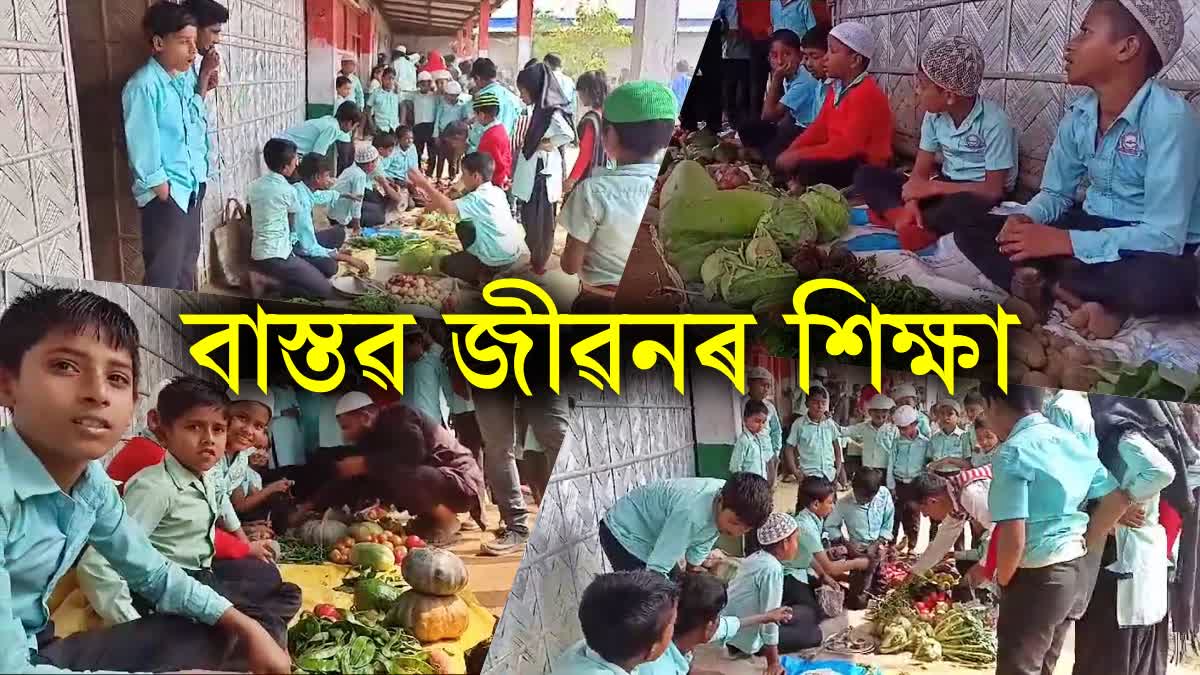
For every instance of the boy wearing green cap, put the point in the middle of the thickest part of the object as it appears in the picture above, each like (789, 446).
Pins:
(494, 141)
(604, 211)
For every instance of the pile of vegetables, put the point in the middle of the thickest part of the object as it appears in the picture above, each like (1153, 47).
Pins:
(377, 303)
(392, 246)
(432, 609)
(749, 275)
(1042, 359)
(1150, 380)
(414, 289)
(918, 616)
(437, 222)
(296, 552)
(356, 642)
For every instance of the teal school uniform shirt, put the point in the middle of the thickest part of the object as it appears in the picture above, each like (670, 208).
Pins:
(923, 424)
(163, 116)
(329, 432)
(1071, 411)
(426, 381)
(272, 201)
(604, 211)
(751, 453)
(352, 183)
(424, 107)
(675, 662)
(774, 427)
(582, 660)
(1042, 474)
(304, 232)
(809, 531)
(449, 113)
(986, 141)
(804, 96)
(1143, 472)
(666, 521)
(865, 523)
(385, 109)
(396, 165)
(756, 589)
(795, 16)
(1144, 171)
(906, 459)
(945, 446)
(43, 531)
(510, 110)
(814, 446)
(317, 135)
(198, 135)
(338, 101)
(499, 238)
(356, 92)
(875, 442)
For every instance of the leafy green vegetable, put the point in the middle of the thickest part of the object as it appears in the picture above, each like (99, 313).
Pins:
(377, 303)
(359, 643)
(829, 209)
(747, 285)
(296, 552)
(394, 246)
(1150, 380)
(762, 251)
(790, 223)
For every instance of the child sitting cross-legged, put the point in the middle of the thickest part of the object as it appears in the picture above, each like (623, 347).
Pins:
(759, 587)
(975, 138)
(321, 249)
(1128, 249)
(699, 620)
(249, 417)
(390, 191)
(862, 523)
(178, 504)
(628, 619)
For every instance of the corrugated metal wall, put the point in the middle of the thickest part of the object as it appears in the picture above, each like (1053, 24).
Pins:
(1023, 42)
(262, 92)
(41, 179)
(617, 443)
(164, 342)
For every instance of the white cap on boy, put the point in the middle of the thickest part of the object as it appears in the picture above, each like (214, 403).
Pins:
(856, 36)
(880, 402)
(251, 392)
(904, 416)
(779, 526)
(355, 400)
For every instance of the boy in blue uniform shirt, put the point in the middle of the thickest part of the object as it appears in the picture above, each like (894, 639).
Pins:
(350, 72)
(352, 185)
(321, 249)
(812, 564)
(178, 503)
(975, 138)
(657, 525)
(628, 619)
(604, 211)
(907, 457)
(812, 446)
(868, 516)
(390, 188)
(165, 125)
(1129, 250)
(343, 89)
(1041, 477)
(795, 92)
(752, 451)
(493, 242)
(484, 74)
(68, 374)
(794, 15)
(330, 137)
(424, 104)
(699, 621)
(383, 107)
(759, 383)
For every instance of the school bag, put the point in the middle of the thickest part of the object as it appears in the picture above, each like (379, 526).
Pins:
(231, 246)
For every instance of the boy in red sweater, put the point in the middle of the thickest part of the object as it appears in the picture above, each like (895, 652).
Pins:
(854, 127)
(495, 140)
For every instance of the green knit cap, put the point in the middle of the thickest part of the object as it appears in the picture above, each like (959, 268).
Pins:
(486, 99)
(640, 101)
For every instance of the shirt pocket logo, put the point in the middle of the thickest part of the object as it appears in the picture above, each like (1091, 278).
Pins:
(974, 143)
(1130, 144)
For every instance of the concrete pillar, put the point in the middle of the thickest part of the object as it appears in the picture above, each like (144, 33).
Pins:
(654, 39)
(485, 23)
(322, 56)
(524, 33)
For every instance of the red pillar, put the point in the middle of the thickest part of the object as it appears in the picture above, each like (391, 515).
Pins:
(524, 32)
(485, 22)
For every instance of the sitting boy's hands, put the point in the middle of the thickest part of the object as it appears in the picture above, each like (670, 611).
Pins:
(1022, 239)
(262, 550)
(780, 615)
(917, 189)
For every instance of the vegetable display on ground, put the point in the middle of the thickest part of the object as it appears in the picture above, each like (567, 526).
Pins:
(355, 643)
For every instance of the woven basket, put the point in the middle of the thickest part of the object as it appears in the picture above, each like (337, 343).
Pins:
(832, 601)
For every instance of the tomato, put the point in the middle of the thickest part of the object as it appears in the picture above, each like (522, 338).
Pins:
(327, 612)
(400, 553)
(414, 541)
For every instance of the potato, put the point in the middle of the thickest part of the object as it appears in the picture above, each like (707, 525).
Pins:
(1016, 370)
(1078, 319)
(1025, 346)
(1054, 365)
(1076, 355)
(1023, 311)
(1080, 378)
(1059, 343)
(1036, 378)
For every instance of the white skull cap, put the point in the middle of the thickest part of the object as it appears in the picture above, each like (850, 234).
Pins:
(779, 526)
(355, 400)
(856, 36)
(153, 397)
(759, 373)
(903, 391)
(820, 372)
(904, 416)
(365, 153)
(453, 88)
(251, 392)
(880, 402)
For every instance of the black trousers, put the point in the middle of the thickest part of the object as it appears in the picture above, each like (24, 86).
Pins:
(171, 242)
(1101, 642)
(836, 172)
(618, 556)
(910, 518)
(1139, 284)
(345, 156)
(881, 188)
(300, 276)
(770, 139)
(1037, 608)
(423, 139)
(166, 643)
(760, 73)
(538, 217)
(445, 160)
(735, 81)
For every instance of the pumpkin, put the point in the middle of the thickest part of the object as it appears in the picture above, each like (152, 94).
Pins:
(365, 531)
(376, 556)
(374, 594)
(324, 533)
(434, 571)
(430, 618)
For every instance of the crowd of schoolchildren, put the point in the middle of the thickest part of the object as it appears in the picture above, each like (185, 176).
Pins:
(820, 116)
(1082, 510)
(385, 146)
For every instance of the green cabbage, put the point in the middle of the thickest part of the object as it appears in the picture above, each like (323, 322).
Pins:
(717, 268)
(762, 251)
(747, 284)
(830, 209)
(689, 259)
(790, 223)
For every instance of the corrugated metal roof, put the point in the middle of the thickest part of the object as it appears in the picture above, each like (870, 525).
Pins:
(430, 17)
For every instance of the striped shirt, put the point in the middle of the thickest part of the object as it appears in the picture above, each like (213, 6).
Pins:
(960, 482)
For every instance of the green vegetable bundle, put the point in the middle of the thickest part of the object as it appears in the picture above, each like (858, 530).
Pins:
(296, 552)
(964, 638)
(395, 246)
(829, 210)
(359, 643)
(377, 303)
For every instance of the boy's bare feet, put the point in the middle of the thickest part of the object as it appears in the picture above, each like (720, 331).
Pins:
(1029, 285)
(1102, 324)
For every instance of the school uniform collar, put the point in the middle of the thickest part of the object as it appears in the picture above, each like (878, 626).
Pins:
(162, 74)
(275, 177)
(971, 118)
(29, 477)
(807, 513)
(1089, 104)
(593, 656)
(956, 433)
(840, 90)
(1025, 423)
(807, 419)
(636, 169)
(180, 475)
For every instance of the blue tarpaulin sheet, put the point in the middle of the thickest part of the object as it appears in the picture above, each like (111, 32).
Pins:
(794, 665)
